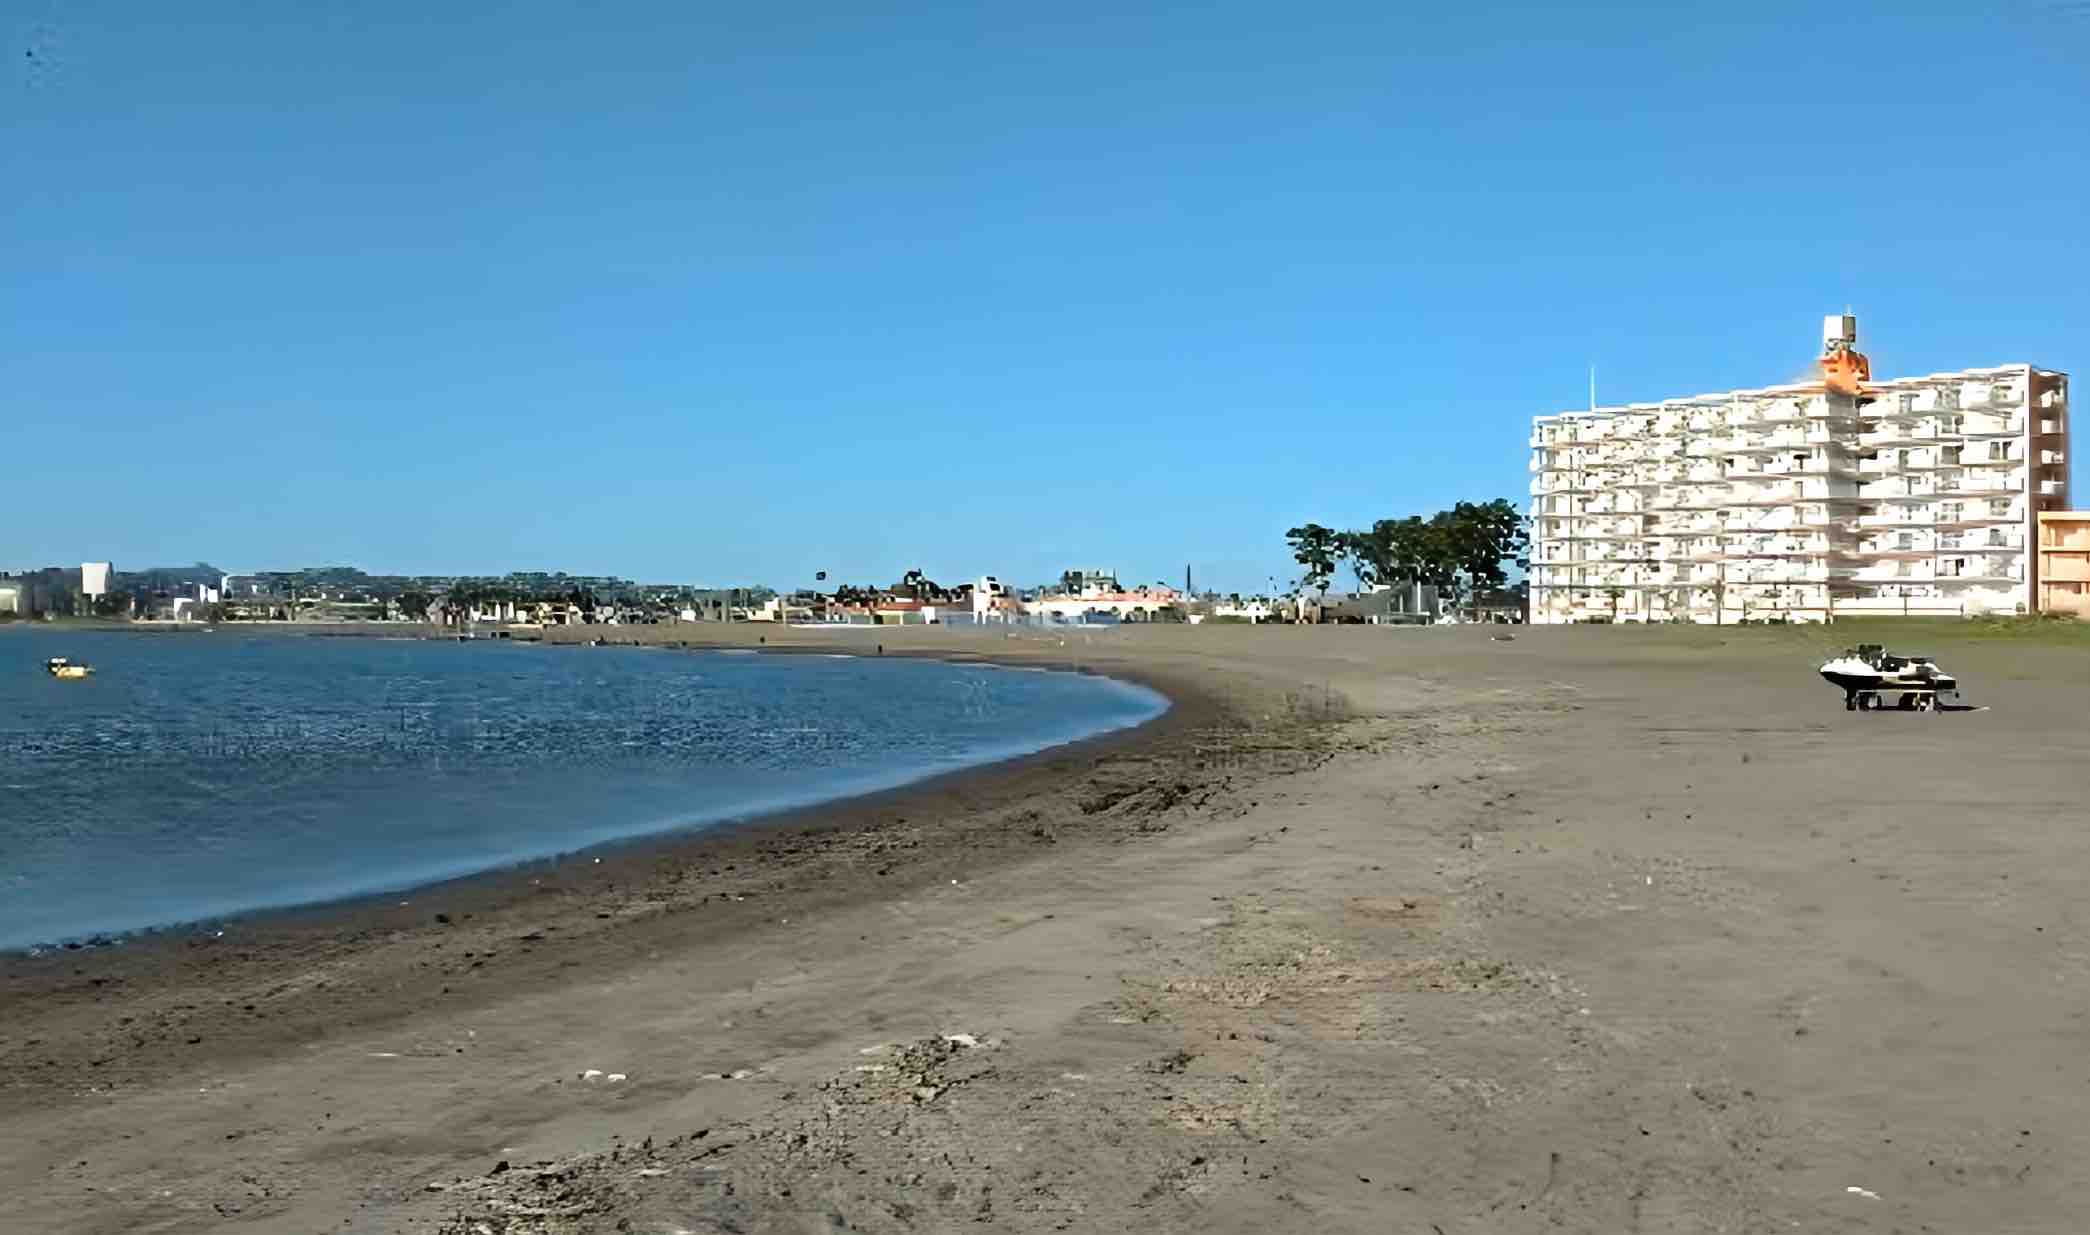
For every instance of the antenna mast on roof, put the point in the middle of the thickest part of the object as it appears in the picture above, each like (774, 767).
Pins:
(1592, 385)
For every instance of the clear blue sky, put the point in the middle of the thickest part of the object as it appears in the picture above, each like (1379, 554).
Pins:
(736, 293)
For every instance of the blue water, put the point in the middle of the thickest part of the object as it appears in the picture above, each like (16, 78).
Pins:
(202, 775)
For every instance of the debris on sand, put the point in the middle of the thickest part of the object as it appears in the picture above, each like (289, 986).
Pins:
(861, 1114)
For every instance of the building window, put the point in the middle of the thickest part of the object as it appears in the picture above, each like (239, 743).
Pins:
(1905, 540)
(1999, 507)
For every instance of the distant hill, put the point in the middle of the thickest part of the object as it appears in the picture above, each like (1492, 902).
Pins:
(201, 572)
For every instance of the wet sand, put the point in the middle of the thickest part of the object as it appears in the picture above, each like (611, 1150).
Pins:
(1378, 929)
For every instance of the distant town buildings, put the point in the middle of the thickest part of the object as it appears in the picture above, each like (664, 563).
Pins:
(204, 593)
(1097, 596)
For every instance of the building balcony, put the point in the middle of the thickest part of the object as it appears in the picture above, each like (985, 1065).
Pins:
(1985, 481)
(1898, 487)
(1782, 573)
(1907, 516)
(1981, 515)
(1898, 435)
(2002, 541)
(1991, 394)
(1920, 544)
(1760, 545)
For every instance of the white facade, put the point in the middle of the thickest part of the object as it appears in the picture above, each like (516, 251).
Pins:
(991, 600)
(94, 578)
(1920, 495)
(1140, 604)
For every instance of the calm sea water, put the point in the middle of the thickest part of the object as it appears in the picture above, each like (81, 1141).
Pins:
(202, 775)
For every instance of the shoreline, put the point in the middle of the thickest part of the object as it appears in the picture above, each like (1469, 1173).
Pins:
(728, 870)
(649, 845)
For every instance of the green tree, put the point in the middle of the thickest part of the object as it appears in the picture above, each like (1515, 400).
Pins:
(1318, 549)
(414, 605)
(1399, 551)
(1473, 545)
(1462, 552)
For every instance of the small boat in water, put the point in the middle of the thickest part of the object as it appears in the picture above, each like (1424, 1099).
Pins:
(60, 667)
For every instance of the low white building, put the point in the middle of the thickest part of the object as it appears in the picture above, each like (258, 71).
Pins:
(992, 601)
(1137, 605)
(782, 609)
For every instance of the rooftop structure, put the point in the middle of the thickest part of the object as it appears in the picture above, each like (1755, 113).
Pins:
(1803, 501)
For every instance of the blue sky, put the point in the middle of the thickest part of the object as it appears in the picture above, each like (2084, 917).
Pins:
(732, 294)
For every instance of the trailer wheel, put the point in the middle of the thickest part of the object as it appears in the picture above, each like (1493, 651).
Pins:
(1908, 703)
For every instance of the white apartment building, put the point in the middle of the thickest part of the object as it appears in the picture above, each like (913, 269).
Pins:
(94, 578)
(1918, 495)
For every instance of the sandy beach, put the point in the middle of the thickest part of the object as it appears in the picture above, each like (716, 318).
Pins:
(1378, 929)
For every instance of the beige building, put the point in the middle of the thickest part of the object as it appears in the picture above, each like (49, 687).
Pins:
(1916, 495)
(2064, 562)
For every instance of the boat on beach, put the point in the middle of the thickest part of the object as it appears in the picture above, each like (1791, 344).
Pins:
(1869, 673)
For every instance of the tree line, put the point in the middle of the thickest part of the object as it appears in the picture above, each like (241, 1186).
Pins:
(1463, 552)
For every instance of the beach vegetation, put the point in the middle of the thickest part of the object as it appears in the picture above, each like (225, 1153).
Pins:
(1464, 553)
(1318, 549)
